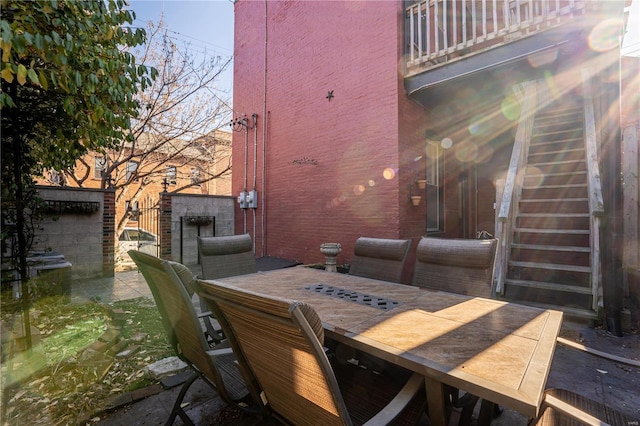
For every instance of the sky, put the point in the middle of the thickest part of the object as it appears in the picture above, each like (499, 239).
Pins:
(203, 25)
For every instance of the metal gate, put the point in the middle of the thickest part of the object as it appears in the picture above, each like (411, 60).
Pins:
(143, 226)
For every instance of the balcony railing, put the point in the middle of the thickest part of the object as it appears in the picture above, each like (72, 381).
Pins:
(442, 30)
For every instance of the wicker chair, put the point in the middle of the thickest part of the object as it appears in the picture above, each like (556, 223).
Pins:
(281, 342)
(564, 408)
(217, 367)
(222, 257)
(379, 258)
(464, 267)
(456, 265)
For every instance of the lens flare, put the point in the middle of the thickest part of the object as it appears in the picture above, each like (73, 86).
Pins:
(510, 108)
(466, 152)
(480, 125)
(372, 183)
(446, 143)
(606, 35)
(535, 177)
(358, 189)
(388, 173)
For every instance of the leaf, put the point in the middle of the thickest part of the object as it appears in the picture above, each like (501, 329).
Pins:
(602, 371)
(22, 74)
(6, 51)
(7, 75)
(43, 80)
(33, 76)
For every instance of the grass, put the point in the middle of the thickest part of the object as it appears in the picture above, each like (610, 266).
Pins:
(52, 383)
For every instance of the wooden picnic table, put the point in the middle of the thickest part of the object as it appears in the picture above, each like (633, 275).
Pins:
(499, 351)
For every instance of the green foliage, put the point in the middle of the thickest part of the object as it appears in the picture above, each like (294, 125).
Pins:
(74, 82)
(69, 86)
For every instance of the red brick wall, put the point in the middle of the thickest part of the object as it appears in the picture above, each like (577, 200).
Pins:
(325, 159)
(108, 233)
(165, 226)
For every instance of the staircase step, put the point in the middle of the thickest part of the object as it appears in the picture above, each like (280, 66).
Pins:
(554, 200)
(557, 152)
(553, 231)
(555, 134)
(568, 186)
(570, 249)
(548, 286)
(550, 266)
(557, 163)
(553, 215)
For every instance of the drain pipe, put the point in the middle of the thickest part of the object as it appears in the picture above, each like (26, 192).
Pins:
(246, 165)
(254, 116)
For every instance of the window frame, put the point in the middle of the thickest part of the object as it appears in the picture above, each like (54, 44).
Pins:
(434, 174)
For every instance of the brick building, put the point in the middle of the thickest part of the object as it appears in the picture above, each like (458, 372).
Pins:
(342, 107)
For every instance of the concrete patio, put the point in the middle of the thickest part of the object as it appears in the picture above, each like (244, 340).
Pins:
(612, 383)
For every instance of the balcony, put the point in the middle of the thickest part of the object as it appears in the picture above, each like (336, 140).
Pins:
(451, 40)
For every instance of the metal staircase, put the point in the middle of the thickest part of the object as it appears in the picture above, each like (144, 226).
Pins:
(550, 253)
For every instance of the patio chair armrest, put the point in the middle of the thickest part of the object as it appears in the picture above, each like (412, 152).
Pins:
(572, 411)
(399, 402)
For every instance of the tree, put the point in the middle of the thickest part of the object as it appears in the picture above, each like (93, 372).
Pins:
(68, 86)
(176, 125)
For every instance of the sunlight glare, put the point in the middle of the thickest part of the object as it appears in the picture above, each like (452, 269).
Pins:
(466, 152)
(606, 35)
(510, 108)
(389, 173)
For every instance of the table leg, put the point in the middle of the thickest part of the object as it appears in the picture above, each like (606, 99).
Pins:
(487, 408)
(436, 402)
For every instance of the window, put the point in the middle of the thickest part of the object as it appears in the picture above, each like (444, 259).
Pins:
(435, 189)
(170, 175)
(132, 166)
(99, 165)
(55, 177)
(195, 175)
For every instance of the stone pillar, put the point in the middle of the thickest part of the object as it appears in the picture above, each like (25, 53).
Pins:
(164, 234)
(331, 252)
(108, 232)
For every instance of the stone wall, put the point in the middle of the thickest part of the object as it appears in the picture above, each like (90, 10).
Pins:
(76, 228)
(191, 216)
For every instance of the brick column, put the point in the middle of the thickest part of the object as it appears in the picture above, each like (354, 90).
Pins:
(165, 226)
(108, 232)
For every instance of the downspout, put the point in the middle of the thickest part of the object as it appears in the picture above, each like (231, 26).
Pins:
(254, 116)
(246, 165)
(264, 136)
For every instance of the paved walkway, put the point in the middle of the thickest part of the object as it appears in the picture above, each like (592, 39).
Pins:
(122, 286)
